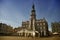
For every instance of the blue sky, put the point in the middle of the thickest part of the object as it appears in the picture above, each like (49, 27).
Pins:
(13, 12)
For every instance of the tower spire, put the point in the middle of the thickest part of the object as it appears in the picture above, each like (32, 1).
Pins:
(33, 15)
(33, 7)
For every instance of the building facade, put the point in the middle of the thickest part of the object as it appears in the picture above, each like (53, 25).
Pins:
(38, 26)
(5, 29)
(55, 27)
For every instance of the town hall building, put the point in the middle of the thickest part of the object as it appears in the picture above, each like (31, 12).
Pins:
(34, 27)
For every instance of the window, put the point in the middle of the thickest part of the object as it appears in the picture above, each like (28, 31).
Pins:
(43, 23)
(41, 28)
(40, 23)
(44, 27)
